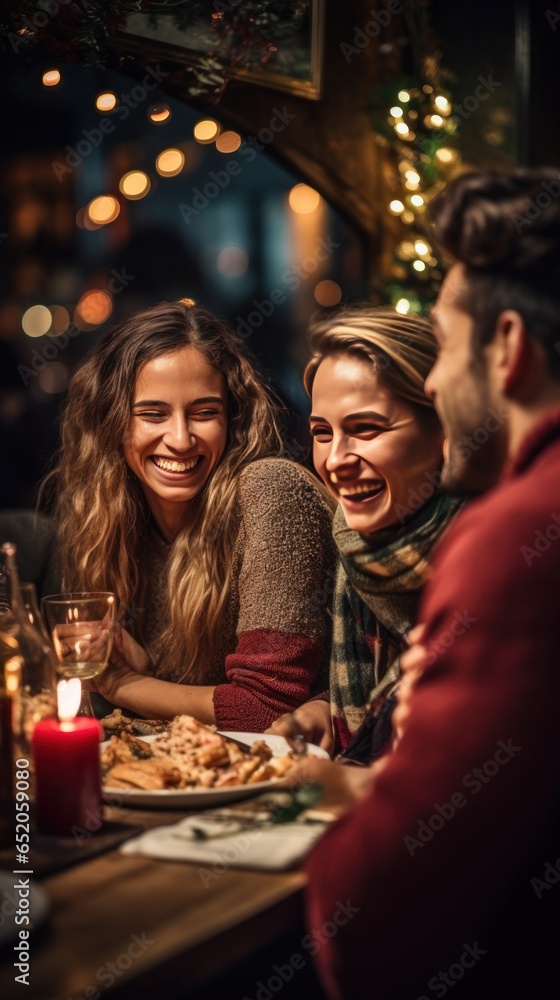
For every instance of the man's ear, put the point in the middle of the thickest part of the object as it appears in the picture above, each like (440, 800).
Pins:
(512, 352)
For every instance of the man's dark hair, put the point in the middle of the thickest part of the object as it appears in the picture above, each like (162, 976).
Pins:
(505, 229)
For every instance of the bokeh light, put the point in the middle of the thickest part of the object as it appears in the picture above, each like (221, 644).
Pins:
(103, 209)
(206, 130)
(94, 307)
(328, 293)
(159, 114)
(60, 320)
(170, 162)
(106, 101)
(403, 306)
(228, 142)
(134, 185)
(232, 262)
(304, 199)
(36, 321)
(51, 78)
(446, 155)
(442, 104)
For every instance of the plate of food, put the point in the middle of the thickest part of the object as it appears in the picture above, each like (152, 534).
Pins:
(191, 766)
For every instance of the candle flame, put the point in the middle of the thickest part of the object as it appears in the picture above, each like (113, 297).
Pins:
(12, 673)
(69, 696)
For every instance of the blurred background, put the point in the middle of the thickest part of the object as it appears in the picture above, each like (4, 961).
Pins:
(154, 170)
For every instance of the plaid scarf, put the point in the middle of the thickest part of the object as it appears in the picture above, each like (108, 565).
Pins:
(378, 586)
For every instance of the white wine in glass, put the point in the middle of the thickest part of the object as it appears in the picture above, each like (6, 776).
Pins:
(82, 627)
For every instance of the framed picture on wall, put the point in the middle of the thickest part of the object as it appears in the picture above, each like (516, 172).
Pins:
(277, 45)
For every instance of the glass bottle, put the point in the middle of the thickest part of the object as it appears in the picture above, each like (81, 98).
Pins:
(10, 672)
(31, 605)
(36, 698)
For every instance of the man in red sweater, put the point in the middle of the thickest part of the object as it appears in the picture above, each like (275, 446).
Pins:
(449, 866)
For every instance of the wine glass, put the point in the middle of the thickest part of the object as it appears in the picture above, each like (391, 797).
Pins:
(82, 626)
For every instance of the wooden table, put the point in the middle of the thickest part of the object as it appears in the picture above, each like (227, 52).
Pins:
(131, 928)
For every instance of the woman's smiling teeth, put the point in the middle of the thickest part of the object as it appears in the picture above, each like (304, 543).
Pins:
(171, 466)
(361, 490)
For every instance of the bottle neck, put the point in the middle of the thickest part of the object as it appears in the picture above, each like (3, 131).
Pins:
(13, 588)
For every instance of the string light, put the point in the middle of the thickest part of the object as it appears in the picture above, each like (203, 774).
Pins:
(417, 122)
(403, 306)
(304, 199)
(206, 131)
(134, 185)
(94, 307)
(106, 101)
(51, 78)
(446, 155)
(327, 293)
(159, 114)
(442, 104)
(228, 142)
(406, 250)
(36, 321)
(170, 162)
(103, 210)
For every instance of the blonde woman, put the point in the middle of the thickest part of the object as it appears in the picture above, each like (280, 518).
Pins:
(173, 493)
(378, 447)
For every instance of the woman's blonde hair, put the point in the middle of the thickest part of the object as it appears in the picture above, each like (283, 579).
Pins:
(402, 349)
(102, 512)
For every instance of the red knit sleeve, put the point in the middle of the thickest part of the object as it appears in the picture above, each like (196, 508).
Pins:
(269, 673)
(286, 562)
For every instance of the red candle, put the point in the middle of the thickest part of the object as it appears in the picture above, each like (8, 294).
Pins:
(67, 775)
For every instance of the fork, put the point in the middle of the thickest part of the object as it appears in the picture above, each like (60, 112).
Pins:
(296, 740)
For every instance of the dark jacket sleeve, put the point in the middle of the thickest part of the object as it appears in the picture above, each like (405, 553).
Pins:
(454, 810)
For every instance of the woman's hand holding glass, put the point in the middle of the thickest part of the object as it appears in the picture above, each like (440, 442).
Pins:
(128, 661)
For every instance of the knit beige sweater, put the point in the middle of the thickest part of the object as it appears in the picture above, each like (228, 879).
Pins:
(274, 646)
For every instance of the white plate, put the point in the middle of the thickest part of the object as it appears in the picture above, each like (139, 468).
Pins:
(9, 897)
(186, 798)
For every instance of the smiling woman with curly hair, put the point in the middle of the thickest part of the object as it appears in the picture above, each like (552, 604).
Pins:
(173, 493)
